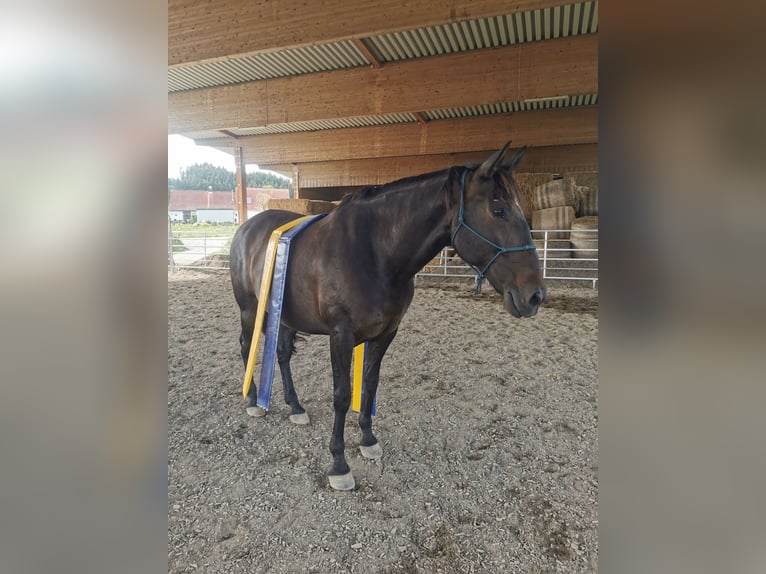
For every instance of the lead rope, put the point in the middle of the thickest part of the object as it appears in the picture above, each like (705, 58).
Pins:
(480, 275)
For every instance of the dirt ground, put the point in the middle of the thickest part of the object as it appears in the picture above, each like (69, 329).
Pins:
(488, 426)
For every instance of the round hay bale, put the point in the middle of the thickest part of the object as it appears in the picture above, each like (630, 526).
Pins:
(527, 182)
(556, 193)
(582, 238)
(589, 203)
(554, 218)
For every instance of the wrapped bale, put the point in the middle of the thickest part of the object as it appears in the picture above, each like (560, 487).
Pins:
(556, 193)
(589, 202)
(559, 220)
(302, 206)
(581, 238)
(555, 218)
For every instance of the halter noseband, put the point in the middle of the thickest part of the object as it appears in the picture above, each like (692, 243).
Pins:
(500, 249)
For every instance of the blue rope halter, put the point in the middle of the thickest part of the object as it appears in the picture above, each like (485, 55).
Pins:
(500, 249)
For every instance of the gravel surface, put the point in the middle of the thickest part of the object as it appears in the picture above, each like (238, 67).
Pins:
(488, 426)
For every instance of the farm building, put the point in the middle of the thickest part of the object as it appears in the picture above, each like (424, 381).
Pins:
(218, 206)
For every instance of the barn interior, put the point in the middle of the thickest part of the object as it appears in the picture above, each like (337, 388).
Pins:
(489, 424)
(337, 95)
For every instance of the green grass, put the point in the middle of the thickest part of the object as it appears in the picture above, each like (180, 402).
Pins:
(199, 229)
(178, 246)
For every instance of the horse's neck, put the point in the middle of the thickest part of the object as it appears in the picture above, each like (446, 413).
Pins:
(418, 230)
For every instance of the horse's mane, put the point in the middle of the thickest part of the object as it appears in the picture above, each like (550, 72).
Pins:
(372, 191)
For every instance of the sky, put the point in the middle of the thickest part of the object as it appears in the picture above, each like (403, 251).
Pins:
(183, 152)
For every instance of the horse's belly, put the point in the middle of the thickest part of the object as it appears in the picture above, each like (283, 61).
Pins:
(368, 319)
(304, 322)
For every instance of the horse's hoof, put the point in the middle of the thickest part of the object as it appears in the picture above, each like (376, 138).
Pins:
(342, 481)
(375, 451)
(300, 419)
(256, 412)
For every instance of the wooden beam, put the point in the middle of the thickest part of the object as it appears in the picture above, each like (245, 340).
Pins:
(420, 117)
(376, 171)
(199, 30)
(566, 66)
(359, 43)
(241, 183)
(539, 128)
(329, 193)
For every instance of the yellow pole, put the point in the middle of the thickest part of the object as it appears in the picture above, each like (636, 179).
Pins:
(356, 390)
(263, 296)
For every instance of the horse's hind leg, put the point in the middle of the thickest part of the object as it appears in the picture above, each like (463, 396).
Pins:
(341, 349)
(247, 317)
(375, 350)
(285, 350)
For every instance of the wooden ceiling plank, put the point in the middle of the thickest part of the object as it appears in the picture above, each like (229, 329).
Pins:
(376, 171)
(539, 128)
(200, 31)
(567, 66)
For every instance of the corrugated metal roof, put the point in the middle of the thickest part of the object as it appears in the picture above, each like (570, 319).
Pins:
(588, 100)
(508, 107)
(530, 26)
(560, 21)
(320, 58)
(352, 122)
(205, 134)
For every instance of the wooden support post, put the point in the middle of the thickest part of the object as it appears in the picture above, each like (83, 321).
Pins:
(296, 182)
(241, 179)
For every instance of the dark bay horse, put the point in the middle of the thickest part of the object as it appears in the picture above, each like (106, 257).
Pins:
(350, 274)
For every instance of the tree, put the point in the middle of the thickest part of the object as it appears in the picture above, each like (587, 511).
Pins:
(265, 179)
(208, 176)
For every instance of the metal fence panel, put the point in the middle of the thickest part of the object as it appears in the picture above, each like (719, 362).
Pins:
(560, 258)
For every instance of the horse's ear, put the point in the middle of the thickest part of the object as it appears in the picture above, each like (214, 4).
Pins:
(489, 166)
(515, 159)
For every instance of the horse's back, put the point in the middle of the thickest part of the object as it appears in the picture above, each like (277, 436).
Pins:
(248, 250)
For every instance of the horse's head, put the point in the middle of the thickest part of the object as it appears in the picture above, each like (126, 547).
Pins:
(490, 233)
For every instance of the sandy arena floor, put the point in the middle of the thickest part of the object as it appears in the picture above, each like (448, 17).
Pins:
(488, 426)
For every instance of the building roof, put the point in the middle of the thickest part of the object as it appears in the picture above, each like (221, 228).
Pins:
(193, 199)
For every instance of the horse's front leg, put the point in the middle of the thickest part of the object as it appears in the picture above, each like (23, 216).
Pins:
(341, 349)
(375, 350)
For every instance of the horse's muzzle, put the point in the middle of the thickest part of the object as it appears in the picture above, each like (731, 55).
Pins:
(525, 305)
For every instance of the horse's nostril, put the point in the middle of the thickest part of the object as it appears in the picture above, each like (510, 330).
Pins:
(536, 298)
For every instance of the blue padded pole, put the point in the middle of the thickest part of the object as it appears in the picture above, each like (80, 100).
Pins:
(272, 326)
(276, 300)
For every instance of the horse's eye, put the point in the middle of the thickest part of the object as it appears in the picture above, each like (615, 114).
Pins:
(499, 211)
